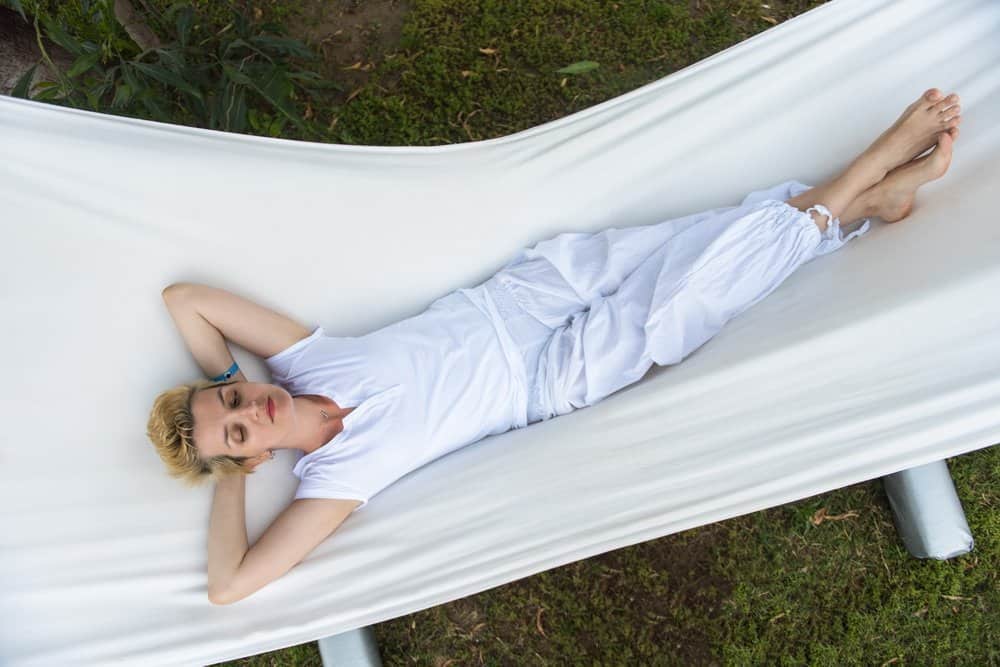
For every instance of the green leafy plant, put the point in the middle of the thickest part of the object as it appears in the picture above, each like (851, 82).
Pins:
(238, 77)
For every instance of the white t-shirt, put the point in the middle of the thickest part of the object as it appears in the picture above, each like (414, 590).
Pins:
(421, 388)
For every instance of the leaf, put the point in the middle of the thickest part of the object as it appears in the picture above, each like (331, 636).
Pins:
(16, 5)
(129, 75)
(274, 28)
(93, 98)
(313, 81)
(83, 64)
(163, 75)
(154, 108)
(254, 117)
(123, 93)
(242, 24)
(48, 94)
(235, 44)
(184, 21)
(579, 67)
(171, 58)
(275, 88)
(21, 88)
(277, 125)
(283, 45)
(821, 515)
(272, 83)
(61, 37)
(235, 109)
(236, 75)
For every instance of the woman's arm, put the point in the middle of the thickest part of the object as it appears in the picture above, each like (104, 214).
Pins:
(207, 316)
(206, 343)
(299, 529)
(227, 534)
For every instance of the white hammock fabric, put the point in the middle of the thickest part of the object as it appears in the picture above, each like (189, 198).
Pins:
(879, 357)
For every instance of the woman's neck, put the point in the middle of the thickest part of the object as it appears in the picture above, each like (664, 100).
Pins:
(315, 428)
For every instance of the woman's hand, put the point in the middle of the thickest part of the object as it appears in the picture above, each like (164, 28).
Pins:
(252, 463)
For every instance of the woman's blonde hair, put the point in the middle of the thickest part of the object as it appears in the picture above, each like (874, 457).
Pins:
(171, 430)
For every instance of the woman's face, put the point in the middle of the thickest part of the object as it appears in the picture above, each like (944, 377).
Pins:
(233, 419)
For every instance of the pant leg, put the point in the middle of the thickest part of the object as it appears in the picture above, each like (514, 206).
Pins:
(595, 264)
(619, 300)
(676, 300)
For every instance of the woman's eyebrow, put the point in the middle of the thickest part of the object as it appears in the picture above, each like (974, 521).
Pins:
(225, 433)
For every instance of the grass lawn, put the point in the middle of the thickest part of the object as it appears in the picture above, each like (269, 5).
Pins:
(773, 587)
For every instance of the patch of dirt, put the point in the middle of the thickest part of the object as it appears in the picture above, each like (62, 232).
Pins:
(686, 562)
(351, 36)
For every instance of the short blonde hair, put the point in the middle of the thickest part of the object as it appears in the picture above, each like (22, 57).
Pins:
(171, 430)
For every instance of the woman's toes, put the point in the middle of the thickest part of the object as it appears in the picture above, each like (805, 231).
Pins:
(950, 112)
(946, 102)
(953, 132)
(940, 159)
(932, 95)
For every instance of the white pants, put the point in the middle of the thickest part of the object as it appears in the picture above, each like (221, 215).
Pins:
(592, 312)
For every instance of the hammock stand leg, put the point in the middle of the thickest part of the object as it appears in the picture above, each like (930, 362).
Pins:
(354, 648)
(927, 511)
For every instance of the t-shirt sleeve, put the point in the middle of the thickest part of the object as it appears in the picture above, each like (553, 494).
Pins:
(281, 363)
(315, 486)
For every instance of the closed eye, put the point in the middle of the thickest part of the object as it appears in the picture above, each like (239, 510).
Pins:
(235, 402)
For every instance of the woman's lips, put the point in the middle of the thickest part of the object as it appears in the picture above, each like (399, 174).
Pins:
(270, 408)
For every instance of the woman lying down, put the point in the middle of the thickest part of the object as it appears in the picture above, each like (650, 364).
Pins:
(560, 327)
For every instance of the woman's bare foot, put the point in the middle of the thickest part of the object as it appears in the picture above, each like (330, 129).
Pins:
(892, 199)
(916, 130)
(913, 133)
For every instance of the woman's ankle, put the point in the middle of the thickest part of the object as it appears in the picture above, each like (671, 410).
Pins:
(862, 207)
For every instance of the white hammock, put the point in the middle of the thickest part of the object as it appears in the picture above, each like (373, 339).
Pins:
(882, 356)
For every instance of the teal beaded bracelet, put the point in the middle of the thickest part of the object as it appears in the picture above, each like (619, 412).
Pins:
(233, 370)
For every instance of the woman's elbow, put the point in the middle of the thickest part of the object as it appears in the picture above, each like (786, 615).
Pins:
(220, 596)
(173, 291)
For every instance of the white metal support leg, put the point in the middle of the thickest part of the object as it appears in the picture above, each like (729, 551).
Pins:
(928, 513)
(354, 648)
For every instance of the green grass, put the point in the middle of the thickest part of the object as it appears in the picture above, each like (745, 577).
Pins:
(427, 100)
(766, 588)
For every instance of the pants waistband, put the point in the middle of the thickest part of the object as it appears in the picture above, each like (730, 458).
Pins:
(530, 336)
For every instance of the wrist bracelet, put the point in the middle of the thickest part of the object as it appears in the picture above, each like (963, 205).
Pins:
(230, 372)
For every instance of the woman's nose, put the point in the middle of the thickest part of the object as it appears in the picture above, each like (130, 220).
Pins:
(252, 409)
